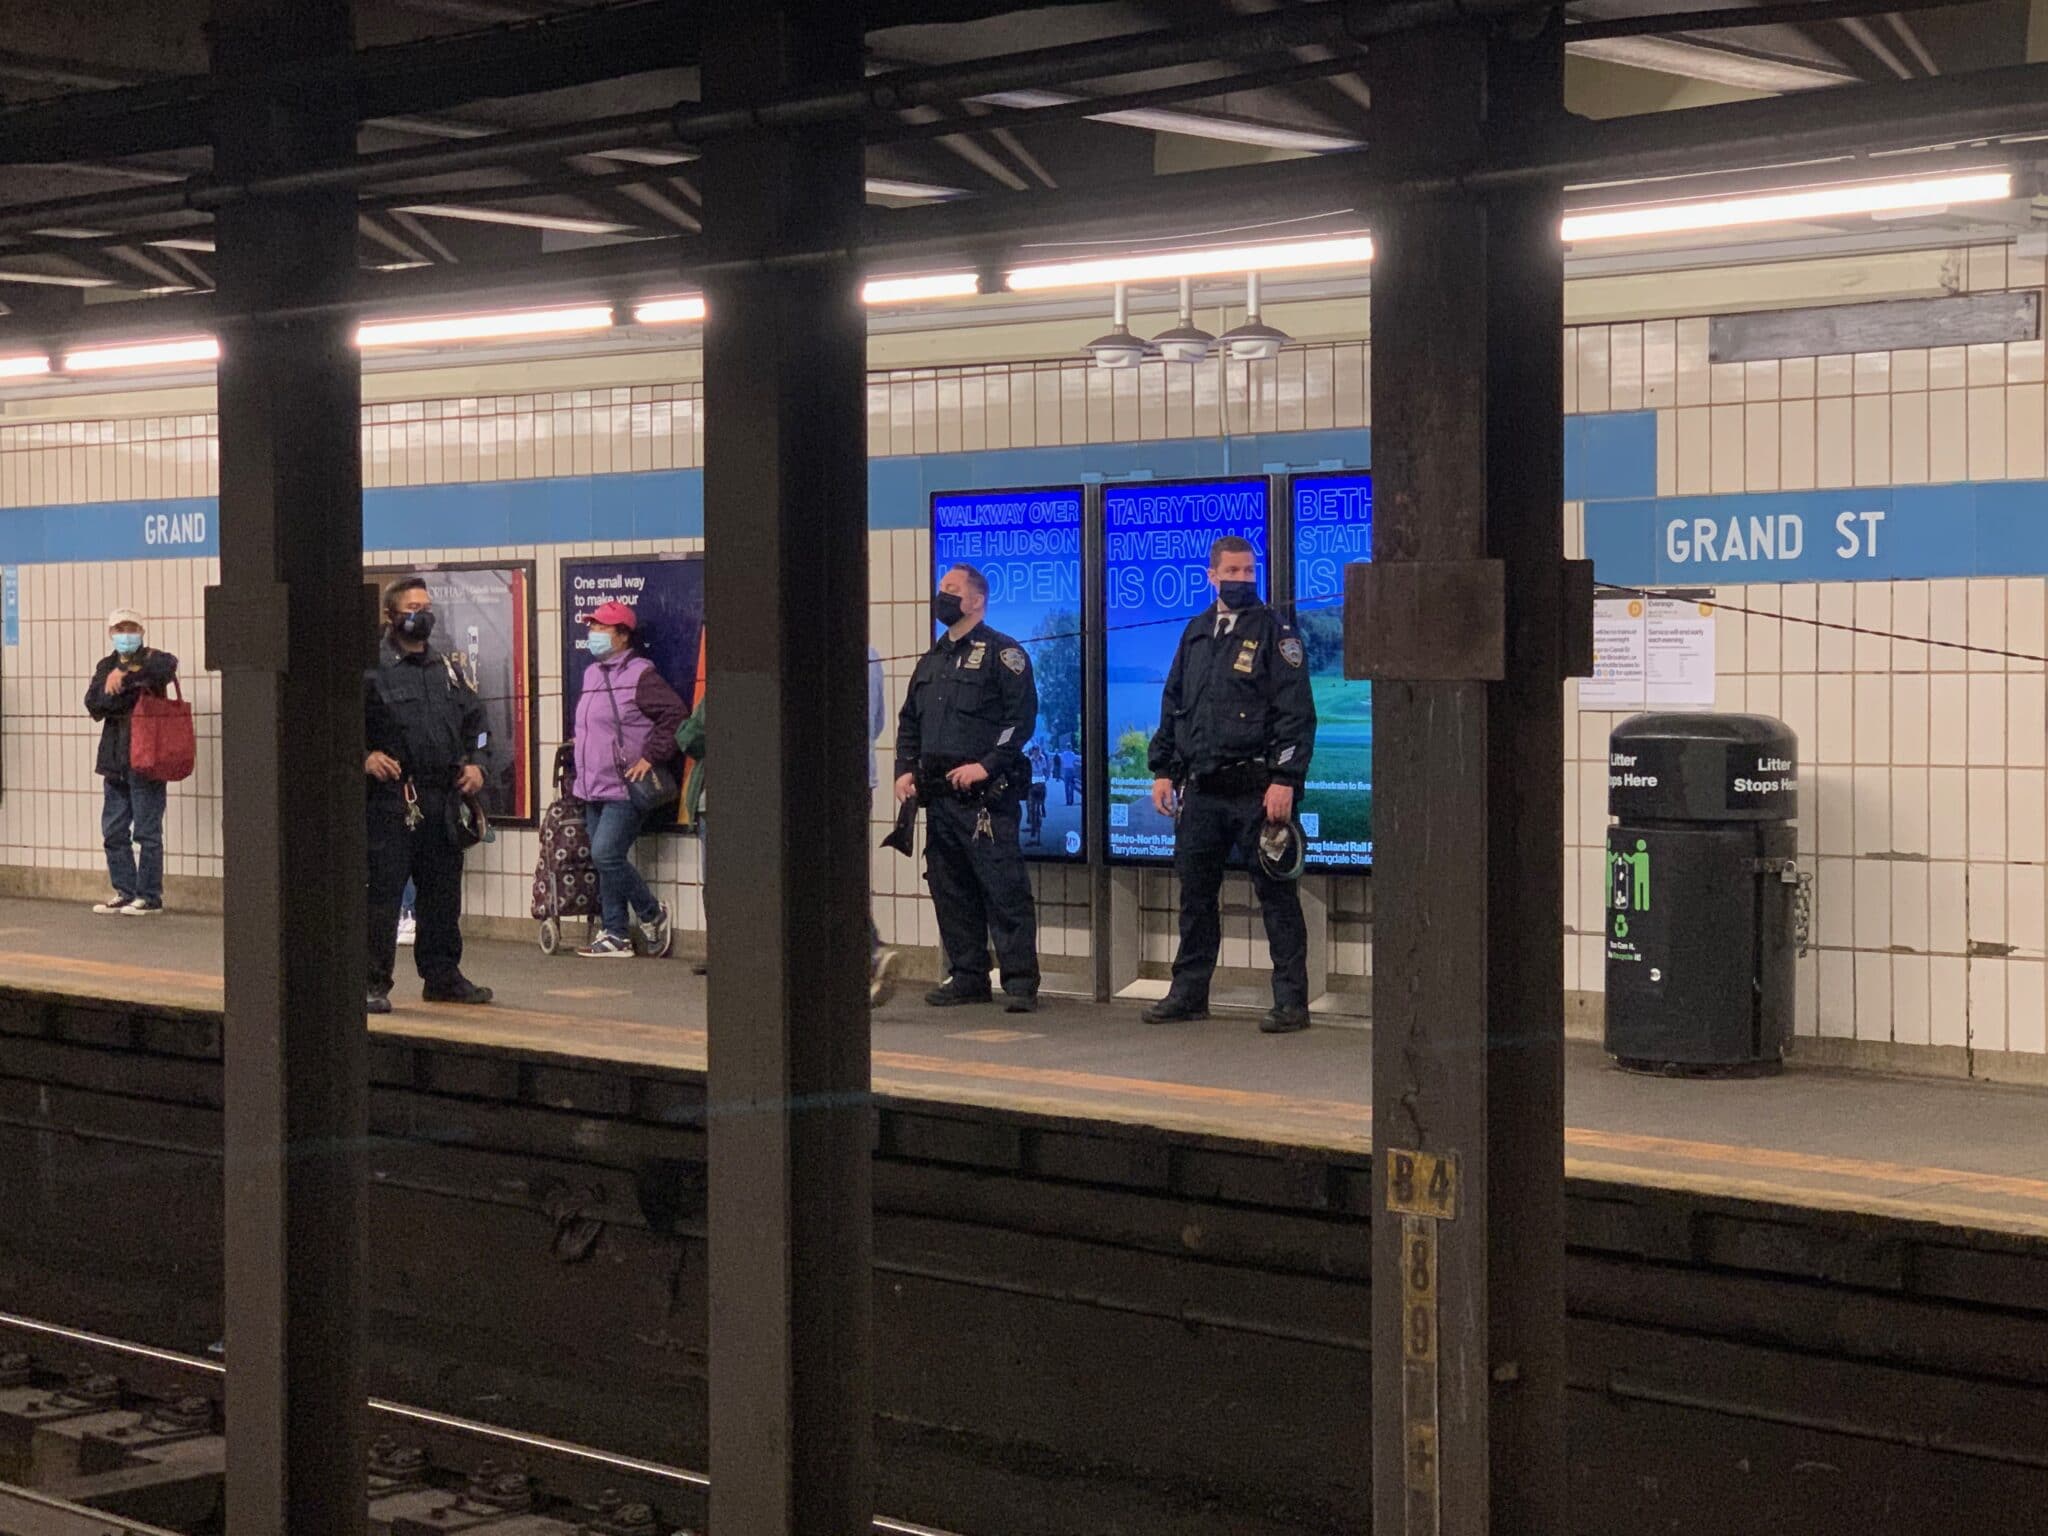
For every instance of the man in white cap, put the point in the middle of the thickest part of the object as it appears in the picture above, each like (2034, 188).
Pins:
(132, 813)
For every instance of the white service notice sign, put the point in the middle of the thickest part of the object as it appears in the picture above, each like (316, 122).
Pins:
(1651, 653)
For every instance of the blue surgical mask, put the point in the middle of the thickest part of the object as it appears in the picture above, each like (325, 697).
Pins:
(598, 642)
(127, 645)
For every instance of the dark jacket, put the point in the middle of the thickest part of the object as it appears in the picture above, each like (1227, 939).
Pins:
(148, 671)
(1244, 699)
(420, 710)
(971, 700)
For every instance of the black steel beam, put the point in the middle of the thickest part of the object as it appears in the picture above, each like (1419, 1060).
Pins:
(791, 1118)
(1468, 1128)
(285, 629)
(1332, 22)
(1730, 18)
(553, 53)
(1641, 156)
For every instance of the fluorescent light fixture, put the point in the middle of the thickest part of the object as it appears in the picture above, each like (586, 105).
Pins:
(32, 366)
(1874, 197)
(910, 191)
(932, 285)
(143, 354)
(1342, 250)
(502, 326)
(683, 311)
(1194, 125)
(183, 243)
(560, 223)
(55, 280)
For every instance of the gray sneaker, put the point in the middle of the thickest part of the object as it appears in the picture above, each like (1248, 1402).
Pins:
(658, 937)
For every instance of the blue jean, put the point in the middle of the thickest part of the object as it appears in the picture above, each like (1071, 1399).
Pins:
(614, 825)
(133, 813)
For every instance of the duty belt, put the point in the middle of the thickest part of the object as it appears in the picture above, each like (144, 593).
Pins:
(1248, 776)
(932, 785)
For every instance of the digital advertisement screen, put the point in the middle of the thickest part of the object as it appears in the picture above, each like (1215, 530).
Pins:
(1155, 570)
(1333, 529)
(1028, 545)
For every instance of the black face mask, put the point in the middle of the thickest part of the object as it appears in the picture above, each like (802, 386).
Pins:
(416, 625)
(1238, 595)
(947, 608)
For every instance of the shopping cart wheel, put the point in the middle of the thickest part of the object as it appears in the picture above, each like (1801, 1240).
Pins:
(550, 935)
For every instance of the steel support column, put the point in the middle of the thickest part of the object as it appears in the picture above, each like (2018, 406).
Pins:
(785, 491)
(286, 628)
(1468, 1237)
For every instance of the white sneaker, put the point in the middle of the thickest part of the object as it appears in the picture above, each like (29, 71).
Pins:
(882, 975)
(142, 908)
(408, 929)
(116, 902)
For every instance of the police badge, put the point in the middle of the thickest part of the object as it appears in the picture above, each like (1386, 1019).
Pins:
(1290, 649)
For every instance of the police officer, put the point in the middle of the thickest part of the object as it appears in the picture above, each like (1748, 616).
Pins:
(426, 731)
(1237, 723)
(960, 738)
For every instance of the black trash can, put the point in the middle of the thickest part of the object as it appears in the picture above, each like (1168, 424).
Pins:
(1702, 892)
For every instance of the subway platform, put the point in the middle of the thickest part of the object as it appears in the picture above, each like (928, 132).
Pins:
(1948, 1153)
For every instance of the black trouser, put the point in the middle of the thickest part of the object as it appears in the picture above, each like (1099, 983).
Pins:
(1212, 828)
(429, 858)
(981, 891)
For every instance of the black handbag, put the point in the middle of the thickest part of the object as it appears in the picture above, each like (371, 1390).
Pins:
(659, 788)
(468, 823)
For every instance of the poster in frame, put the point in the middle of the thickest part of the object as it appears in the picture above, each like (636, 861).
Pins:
(485, 621)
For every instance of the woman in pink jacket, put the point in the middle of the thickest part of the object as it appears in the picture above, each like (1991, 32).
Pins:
(626, 719)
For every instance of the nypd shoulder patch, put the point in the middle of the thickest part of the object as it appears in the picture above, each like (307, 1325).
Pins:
(1290, 650)
(1013, 658)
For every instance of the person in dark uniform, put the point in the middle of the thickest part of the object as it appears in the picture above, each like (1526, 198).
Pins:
(426, 732)
(1237, 723)
(972, 707)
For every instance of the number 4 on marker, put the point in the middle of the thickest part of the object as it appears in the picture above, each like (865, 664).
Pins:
(1422, 1183)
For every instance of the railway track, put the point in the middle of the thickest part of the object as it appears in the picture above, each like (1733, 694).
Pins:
(1082, 1326)
(106, 1437)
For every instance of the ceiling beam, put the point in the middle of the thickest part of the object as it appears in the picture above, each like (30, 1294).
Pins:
(551, 53)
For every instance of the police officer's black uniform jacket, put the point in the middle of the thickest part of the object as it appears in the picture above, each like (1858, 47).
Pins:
(974, 700)
(971, 700)
(1237, 711)
(422, 712)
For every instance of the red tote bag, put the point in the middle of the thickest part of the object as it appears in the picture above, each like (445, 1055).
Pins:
(161, 744)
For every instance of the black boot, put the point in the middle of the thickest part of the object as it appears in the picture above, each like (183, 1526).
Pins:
(459, 990)
(1284, 1019)
(945, 995)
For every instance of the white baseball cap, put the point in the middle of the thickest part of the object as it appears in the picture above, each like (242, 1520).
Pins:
(122, 616)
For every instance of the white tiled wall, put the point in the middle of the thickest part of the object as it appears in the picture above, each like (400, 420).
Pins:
(1924, 807)
(1923, 796)
(49, 810)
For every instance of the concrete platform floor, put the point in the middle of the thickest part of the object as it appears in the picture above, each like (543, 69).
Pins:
(1957, 1153)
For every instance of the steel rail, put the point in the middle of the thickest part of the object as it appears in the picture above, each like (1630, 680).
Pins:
(177, 1371)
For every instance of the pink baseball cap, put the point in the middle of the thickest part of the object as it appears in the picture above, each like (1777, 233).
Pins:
(613, 613)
